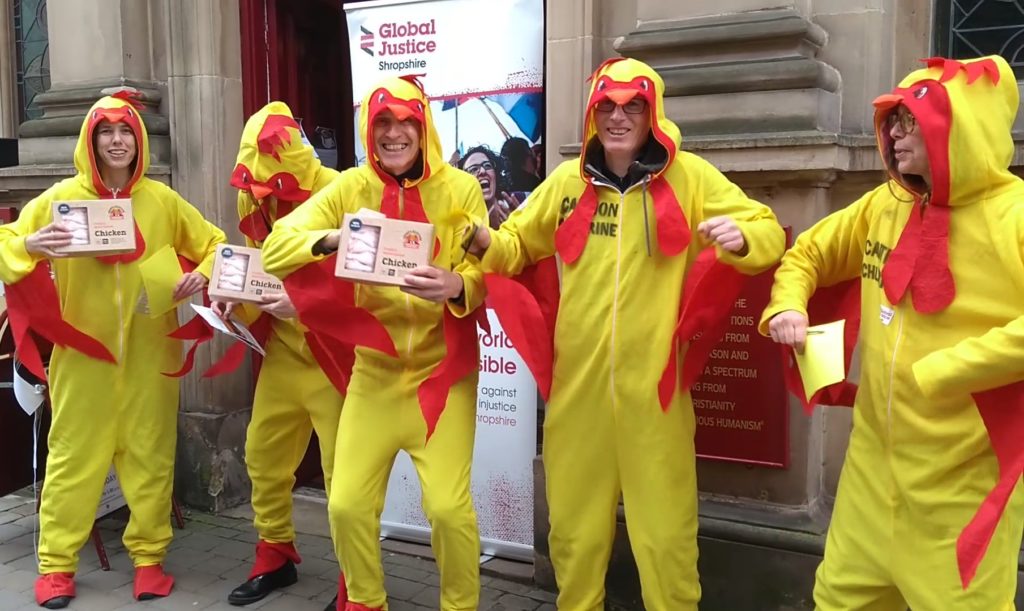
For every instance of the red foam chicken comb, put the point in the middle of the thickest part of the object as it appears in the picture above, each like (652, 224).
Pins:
(132, 96)
(974, 70)
(274, 135)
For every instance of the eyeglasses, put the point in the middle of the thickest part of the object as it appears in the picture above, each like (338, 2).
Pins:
(906, 121)
(632, 107)
(485, 166)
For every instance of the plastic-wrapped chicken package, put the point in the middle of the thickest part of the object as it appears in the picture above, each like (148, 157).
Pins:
(98, 227)
(377, 250)
(238, 275)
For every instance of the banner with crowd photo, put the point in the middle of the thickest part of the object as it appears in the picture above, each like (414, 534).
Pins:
(482, 65)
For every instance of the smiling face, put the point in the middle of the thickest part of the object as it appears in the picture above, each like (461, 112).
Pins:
(115, 145)
(396, 142)
(622, 129)
(481, 167)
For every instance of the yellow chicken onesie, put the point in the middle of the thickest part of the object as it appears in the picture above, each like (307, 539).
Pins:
(607, 431)
(276, 172)
(424, 400)
(122, 412)
(929, 512)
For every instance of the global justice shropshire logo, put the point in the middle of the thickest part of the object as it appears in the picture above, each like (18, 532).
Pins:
(409, 43)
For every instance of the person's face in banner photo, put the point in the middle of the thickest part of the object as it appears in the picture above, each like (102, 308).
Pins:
(485, 165)
(482, 168)
(622, 128)
(396, 142)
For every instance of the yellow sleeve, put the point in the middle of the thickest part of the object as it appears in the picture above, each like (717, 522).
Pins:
(468, 266)
(974, 364)
(828, 253)
(15, 261)
(196, 238)
(764, 237)
(290, 244)
(988, 361)
(528, 234)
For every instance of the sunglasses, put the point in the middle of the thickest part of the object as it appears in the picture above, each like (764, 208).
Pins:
(906, 121)
(486, 166)
(632, 107)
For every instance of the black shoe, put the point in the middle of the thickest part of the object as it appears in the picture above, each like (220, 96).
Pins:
(333, 605)
(260, 586)
(58, 602)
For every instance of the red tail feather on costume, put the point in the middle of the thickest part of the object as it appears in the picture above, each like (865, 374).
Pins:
(335, 358)
(326, 305)
(1001, 410)
(195, 329)
(571, 235)
(461, 359)
(33, 306)
(828, 304)
(710, 289)
(526, 307)
(235, 355)
(671, 224)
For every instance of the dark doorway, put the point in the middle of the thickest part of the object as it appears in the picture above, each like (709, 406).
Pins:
(297, 52)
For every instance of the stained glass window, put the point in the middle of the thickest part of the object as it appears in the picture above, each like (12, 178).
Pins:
(33, 47)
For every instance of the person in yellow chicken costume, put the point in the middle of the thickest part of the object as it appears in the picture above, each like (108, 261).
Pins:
(928, 513)
(424, 400)
(118, 411)
(275, 172)
(619, 218)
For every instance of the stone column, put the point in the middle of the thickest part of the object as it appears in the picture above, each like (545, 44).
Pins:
(95, 45)
(205, 106)
(10, 109)
(570, 57)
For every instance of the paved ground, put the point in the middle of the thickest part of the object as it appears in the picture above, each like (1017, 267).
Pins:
(212, 555)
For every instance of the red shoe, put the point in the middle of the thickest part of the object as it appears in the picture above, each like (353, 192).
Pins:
(151, 582)
(358, 607)
(55, 590)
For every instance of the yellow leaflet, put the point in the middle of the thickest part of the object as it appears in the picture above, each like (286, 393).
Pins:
(822, 362)
(160, 273)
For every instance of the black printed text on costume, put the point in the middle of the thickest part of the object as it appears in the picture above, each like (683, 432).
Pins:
(875, 255)
(606, 217)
